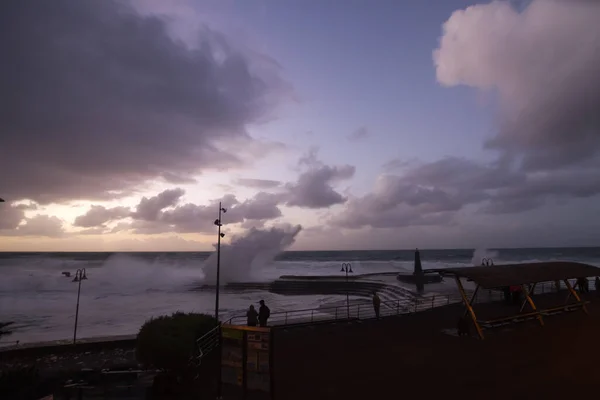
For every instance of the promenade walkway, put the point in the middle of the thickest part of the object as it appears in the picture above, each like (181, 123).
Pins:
(415, 356)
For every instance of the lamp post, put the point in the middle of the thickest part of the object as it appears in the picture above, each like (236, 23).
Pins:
(219, 223)
(79, 276)
(220, 235)
(347, 268)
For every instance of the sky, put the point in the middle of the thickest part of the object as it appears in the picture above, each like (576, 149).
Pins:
(371, 125)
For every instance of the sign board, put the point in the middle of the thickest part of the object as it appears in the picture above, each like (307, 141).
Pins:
(232, 356)
(246, 358)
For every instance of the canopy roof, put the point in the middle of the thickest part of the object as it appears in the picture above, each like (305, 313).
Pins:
(494, 276)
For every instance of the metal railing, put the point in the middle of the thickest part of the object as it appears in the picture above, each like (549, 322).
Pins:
(208, 342)
(356, 310)
(365, 310)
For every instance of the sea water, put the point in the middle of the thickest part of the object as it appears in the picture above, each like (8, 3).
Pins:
(125, 289)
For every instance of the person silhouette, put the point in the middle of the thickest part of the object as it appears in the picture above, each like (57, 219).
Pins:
(252, 316)
(263, 313)
(376, 304)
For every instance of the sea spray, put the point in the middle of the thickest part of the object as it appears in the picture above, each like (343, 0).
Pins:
(242, 259)
(480, 254)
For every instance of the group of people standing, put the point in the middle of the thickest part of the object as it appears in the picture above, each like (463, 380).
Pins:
(259, 318)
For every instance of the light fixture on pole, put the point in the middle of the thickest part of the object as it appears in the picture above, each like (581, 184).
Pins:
(1, 200)
(218, 223)
(347, 268)
(79, 276)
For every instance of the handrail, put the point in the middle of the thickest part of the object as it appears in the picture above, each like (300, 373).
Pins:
(365, 310)
(207, 342)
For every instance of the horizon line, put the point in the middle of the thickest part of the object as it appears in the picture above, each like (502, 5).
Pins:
(313, 251)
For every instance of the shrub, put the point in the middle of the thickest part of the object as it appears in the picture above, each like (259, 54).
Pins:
(19, 382)
(168, 342)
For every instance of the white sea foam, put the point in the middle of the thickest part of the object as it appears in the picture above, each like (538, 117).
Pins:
(123, 290)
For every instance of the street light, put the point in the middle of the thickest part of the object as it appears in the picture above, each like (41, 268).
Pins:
(1, 200)
(79, 276)
(220, 235)
(219, 223)
(347, 268)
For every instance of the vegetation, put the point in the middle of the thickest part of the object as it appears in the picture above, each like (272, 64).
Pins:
(168, 342)
(19, 382)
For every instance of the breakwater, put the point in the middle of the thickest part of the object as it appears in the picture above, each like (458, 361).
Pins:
(292, 285)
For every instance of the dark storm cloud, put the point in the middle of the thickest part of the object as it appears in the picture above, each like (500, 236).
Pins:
(96, 99)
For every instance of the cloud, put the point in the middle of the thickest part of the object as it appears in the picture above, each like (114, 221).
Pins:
(149, 209)
(426, 194)
(165, 213)
(494, 47)
(542, 62)
(258, 183)
(359, 134)
(14, 223)
(99, 215)
(396, 201)
(199, 218)
(41, 225)
(314, 189)
(538, 189)
(10, 216)
(97, 100)
(27, 207)
(435, 193)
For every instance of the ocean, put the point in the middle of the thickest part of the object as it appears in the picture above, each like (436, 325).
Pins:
(125, 289)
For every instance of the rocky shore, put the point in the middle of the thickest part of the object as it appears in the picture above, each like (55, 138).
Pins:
(75, 359)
